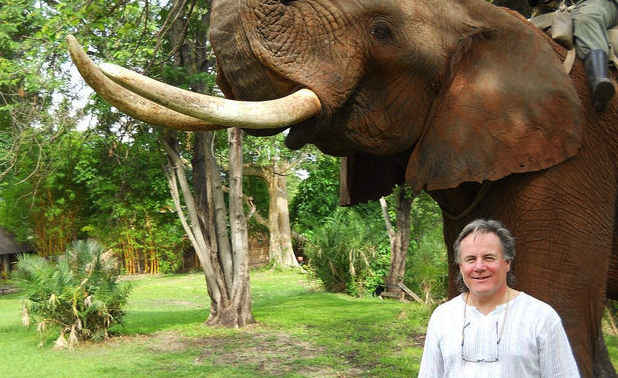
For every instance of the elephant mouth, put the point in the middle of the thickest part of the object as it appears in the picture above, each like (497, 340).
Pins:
(301, 134)
(164, 105)
(297, 135)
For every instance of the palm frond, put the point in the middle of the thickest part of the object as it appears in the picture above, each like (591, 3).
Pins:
(79, 292)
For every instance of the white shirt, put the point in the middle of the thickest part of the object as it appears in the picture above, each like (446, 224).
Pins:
(533, 342)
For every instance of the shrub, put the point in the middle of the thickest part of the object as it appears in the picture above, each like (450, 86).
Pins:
(79, 294)
(427, 267)
(349, 253)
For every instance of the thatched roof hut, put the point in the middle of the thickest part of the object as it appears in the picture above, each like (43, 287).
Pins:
(9, 249)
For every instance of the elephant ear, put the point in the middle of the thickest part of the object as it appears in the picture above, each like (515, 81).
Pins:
(509, 107)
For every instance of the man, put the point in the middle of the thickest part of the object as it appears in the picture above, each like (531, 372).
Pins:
(492, 330)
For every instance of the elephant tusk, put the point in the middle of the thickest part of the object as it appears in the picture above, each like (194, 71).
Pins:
(129, 102)
(286, 111)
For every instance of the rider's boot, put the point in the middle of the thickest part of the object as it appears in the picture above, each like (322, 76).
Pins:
(601, 86)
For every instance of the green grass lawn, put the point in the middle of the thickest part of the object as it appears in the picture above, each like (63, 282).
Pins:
(300, 332)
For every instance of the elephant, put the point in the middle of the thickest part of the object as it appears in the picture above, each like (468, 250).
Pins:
(460, 98)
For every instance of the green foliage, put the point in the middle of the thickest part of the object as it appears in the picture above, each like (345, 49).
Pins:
(349, 253)
(57, 184)
(130, 205)
(80, 294)
(312, 212)
(257, 190)
(318, 195)
(39, 197)
(262, 151)
(89, 185)
(271, 154)
(426, 262)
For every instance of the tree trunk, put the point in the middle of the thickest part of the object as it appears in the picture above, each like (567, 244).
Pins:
(387, 220)
(400, 239)
(281, 252)
(199, 239)
(217, 220)
(241, 297)
(280, 249)
(227, 274)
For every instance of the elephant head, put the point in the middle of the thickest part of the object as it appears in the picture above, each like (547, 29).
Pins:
(432, 93)
(462, 90)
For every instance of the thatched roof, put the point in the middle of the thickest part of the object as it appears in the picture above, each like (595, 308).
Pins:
(8, 244)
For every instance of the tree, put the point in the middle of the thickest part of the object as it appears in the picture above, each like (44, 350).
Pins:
(269, 160)
(226, 269)
(128, 205)
(240, 296)
(30, 119)
(426, 262)
(280, 250)
(169, 40)
(399, 238)
(224, 260)
(46, 166)
(39, 198)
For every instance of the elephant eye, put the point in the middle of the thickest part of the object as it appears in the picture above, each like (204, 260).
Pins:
(381, 30)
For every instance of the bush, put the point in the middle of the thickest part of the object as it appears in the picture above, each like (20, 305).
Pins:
(349, 253)
(427, 267)
(79, 294)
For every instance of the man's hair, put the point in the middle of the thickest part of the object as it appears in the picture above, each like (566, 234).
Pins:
(486, 226)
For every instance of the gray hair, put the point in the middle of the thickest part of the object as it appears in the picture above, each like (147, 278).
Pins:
(485, 226)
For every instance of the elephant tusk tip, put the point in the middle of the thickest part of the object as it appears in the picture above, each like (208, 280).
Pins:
(71, 41)
(112, 70)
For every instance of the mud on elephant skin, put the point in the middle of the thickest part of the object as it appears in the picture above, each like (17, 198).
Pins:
(460, 98)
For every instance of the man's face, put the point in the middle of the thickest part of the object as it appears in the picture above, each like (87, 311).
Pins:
(482, 265)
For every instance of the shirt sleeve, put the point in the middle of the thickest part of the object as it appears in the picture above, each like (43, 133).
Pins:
(555, 354)
(432, 364)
